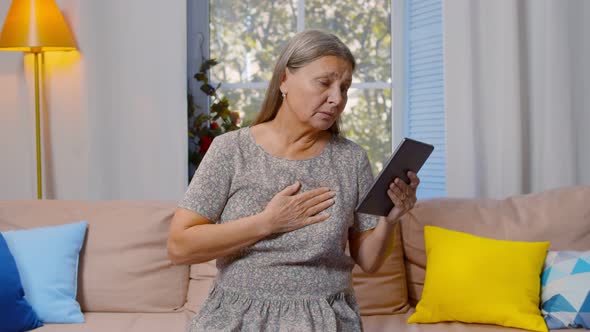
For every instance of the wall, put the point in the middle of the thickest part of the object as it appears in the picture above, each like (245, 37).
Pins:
(115, 112)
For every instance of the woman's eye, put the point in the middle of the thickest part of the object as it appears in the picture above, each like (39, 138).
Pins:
(324, 83)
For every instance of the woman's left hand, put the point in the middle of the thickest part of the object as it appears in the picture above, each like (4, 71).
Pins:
(403, 196)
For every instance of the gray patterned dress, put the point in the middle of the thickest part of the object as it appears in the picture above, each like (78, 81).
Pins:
(295, 281)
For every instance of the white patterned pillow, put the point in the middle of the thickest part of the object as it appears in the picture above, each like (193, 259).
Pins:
(565, 292)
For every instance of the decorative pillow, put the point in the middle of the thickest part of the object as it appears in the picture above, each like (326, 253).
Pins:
(16, 313)
(479, 280)
(565, 291)
(47, 261)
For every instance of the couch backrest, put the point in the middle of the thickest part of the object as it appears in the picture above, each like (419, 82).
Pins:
(123, 264)
(385, 291)
(561, 216)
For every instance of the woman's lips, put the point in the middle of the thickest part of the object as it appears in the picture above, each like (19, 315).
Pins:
(327, 114)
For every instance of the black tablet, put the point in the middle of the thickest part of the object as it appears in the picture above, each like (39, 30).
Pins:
(409, 155)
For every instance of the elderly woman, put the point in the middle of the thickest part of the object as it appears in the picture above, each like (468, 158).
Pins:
(274, 204)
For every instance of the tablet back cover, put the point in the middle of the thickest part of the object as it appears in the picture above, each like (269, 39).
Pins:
(410, 155)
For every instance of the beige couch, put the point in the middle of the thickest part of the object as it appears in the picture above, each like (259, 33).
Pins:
(127, 284)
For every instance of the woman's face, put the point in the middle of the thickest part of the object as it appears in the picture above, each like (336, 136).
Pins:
(317, 92)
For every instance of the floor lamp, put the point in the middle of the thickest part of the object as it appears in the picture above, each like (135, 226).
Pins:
(36, 26)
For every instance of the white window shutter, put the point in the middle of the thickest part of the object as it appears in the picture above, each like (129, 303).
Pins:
(424, 97)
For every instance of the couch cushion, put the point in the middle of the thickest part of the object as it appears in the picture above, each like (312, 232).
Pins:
(389, 323)
(561, 216)
(123, 265)
(385, 291)
(123, 322)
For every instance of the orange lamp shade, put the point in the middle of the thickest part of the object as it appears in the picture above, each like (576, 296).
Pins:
(35, 26)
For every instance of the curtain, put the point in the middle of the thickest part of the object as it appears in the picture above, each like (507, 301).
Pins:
(516, 96)
(114, 113)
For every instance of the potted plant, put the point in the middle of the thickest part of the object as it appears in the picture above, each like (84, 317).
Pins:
(203, 127)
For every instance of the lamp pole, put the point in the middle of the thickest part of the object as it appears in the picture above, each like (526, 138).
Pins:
(38, 128)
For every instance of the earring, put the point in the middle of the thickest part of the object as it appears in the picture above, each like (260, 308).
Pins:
(284, 95)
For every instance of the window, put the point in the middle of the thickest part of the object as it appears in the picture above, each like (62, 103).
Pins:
(246, 36)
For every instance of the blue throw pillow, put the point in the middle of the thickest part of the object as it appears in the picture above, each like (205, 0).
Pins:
(16, 313)
(565, 289)
(47, 261)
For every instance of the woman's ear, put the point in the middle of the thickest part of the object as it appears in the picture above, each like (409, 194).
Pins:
(284, 79)
(286, 74)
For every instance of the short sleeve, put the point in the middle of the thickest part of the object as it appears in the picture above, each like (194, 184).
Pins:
(364, 222)
(208, 191)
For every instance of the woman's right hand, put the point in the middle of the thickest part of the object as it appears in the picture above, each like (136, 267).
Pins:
(289, 210)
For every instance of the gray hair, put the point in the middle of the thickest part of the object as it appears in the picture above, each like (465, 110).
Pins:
(304, 48)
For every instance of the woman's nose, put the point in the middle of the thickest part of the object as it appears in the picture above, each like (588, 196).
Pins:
(335, 96)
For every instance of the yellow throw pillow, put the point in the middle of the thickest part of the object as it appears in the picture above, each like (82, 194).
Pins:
(473, 279)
